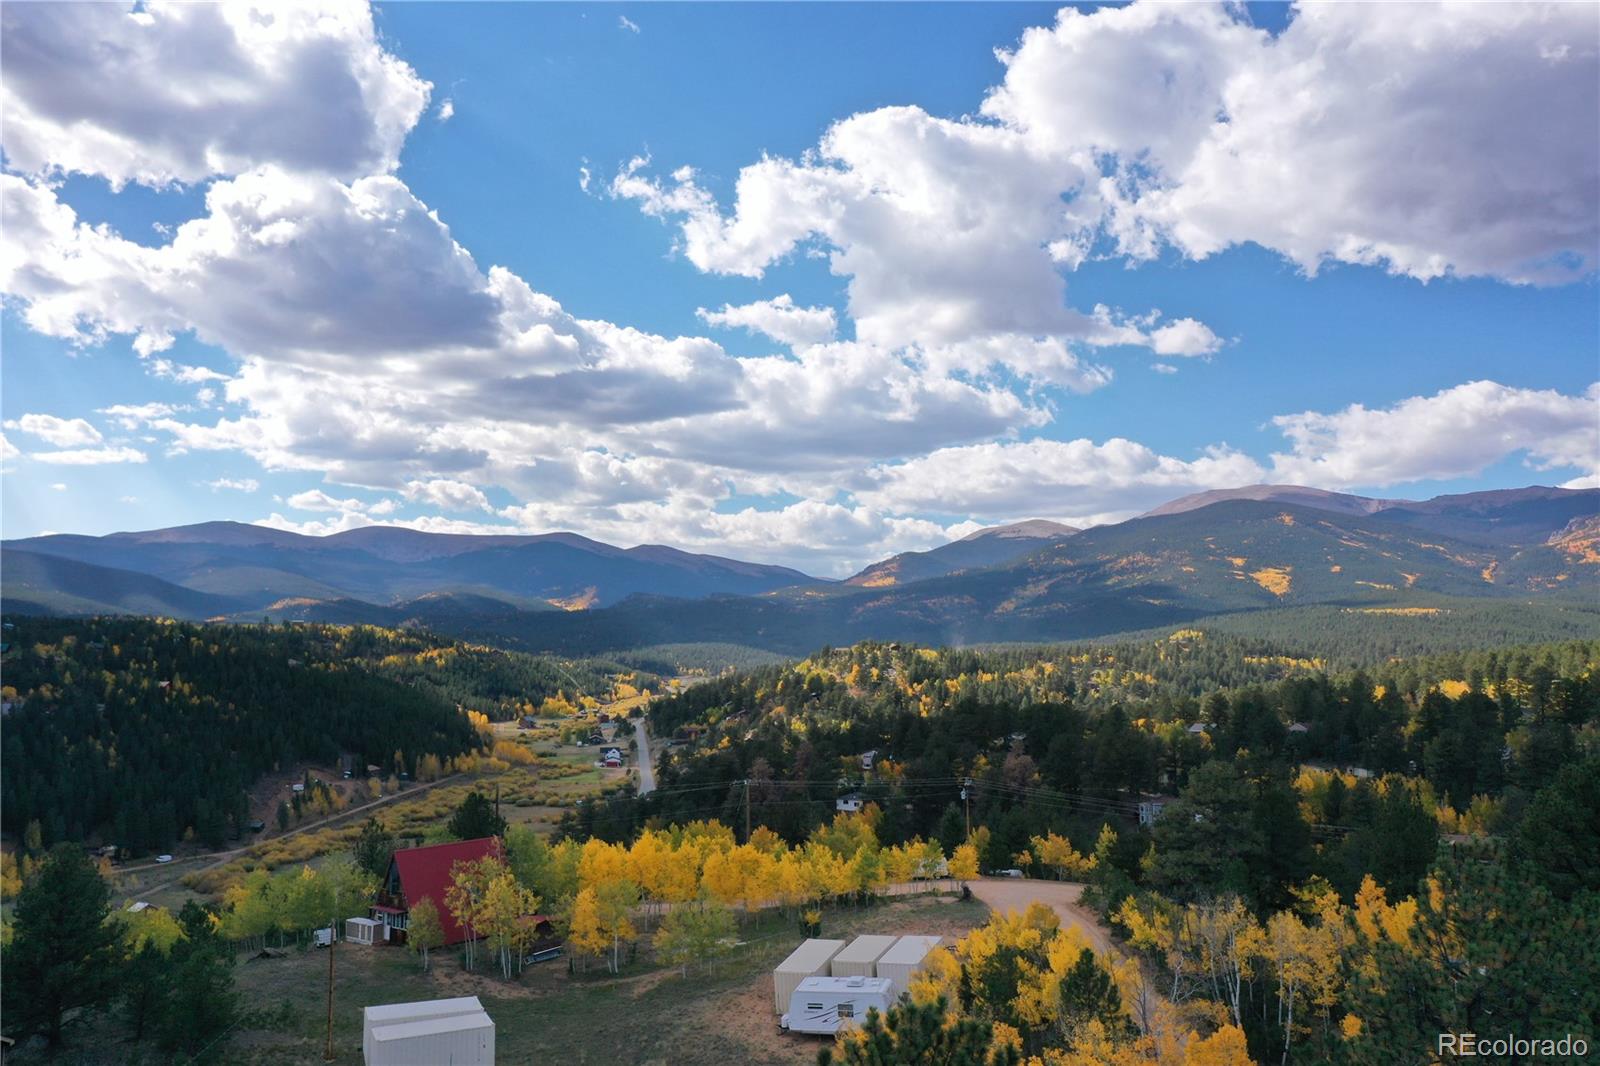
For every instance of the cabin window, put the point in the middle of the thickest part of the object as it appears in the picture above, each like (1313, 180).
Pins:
(847, 1010)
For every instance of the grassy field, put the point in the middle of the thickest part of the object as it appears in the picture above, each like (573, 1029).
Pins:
(645, 1016)
(536, 795)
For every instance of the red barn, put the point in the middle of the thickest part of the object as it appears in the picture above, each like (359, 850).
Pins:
(424, 873)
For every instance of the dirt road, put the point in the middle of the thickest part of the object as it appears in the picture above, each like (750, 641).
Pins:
(1014, 894)
(221, 857)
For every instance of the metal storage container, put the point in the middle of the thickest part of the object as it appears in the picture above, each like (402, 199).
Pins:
(905, 959)
(861, 957)
(455, 1040)
(810, 959)
(420, 1010)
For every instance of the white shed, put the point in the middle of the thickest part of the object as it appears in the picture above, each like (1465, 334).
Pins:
(810, 959)
(455, 1040)
(362, 931)
(391, 1014)
(861, 957)
(905, 959)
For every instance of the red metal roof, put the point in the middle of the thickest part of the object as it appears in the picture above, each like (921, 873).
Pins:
(425, 873)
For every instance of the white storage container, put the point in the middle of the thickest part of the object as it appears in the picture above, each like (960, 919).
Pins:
(810, 959)
(456, 1040)
(905, 959)
(861, 957)
(387, 1014)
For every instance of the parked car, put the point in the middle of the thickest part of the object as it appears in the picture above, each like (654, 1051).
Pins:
(163, 858)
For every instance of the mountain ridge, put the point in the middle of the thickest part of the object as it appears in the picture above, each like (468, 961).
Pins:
(1026, 581)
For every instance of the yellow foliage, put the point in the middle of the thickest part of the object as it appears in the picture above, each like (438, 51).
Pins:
(1225, 1047)
(1275, 579)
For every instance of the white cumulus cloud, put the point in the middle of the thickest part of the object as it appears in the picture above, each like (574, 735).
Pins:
(62, 432)
(182, 92)
(447, 494)
(779, 318)
(1457, 432)
(90, 456)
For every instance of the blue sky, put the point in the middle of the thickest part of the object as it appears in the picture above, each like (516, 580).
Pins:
(1389, 292)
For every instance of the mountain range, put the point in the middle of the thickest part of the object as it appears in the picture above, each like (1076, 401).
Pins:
(1241, 550)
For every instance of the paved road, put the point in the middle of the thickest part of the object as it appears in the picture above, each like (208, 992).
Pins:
(647, 765)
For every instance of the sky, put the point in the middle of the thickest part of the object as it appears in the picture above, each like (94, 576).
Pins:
(801, 284)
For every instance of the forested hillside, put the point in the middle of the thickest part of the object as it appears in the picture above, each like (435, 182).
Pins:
(135, 731)
(1332, 844)
(1044, 731)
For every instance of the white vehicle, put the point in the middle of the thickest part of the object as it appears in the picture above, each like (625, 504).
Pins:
(163, 858)
(824, 1005)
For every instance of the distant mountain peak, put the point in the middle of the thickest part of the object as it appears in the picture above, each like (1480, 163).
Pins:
(1303, 495)
(1031, 529)
(983, 548)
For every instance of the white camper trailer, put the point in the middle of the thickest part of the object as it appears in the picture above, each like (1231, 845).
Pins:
(904, 959)
(389, 1015)
(861, 957)
(810, 959)
(824, 1005)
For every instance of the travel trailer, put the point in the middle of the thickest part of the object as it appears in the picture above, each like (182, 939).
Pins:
(824, 1005)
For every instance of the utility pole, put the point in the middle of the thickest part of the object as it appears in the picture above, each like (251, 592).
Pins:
(966, 800)
(333, 938)
(747, 810)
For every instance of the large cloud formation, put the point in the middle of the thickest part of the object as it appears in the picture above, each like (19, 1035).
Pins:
(373, 349)
(1426, 139)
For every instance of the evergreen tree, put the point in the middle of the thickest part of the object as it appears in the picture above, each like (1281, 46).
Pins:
(64, 954)
(1559, 838)
(374, 848)
(142, 984)
(200, 1005)
(914, 1034)
(476, 818)
(1089, 994)
(1491, 953)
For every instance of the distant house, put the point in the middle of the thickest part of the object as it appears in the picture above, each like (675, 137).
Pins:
(1150, 808)
(868, 758)
(1299, 727)
(1199, 728)
(611, 757)
(849, 803)
(527, 721)
(424, 873)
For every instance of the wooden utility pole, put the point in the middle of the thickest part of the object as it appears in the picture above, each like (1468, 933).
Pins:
(966, 800)
(333, 938)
